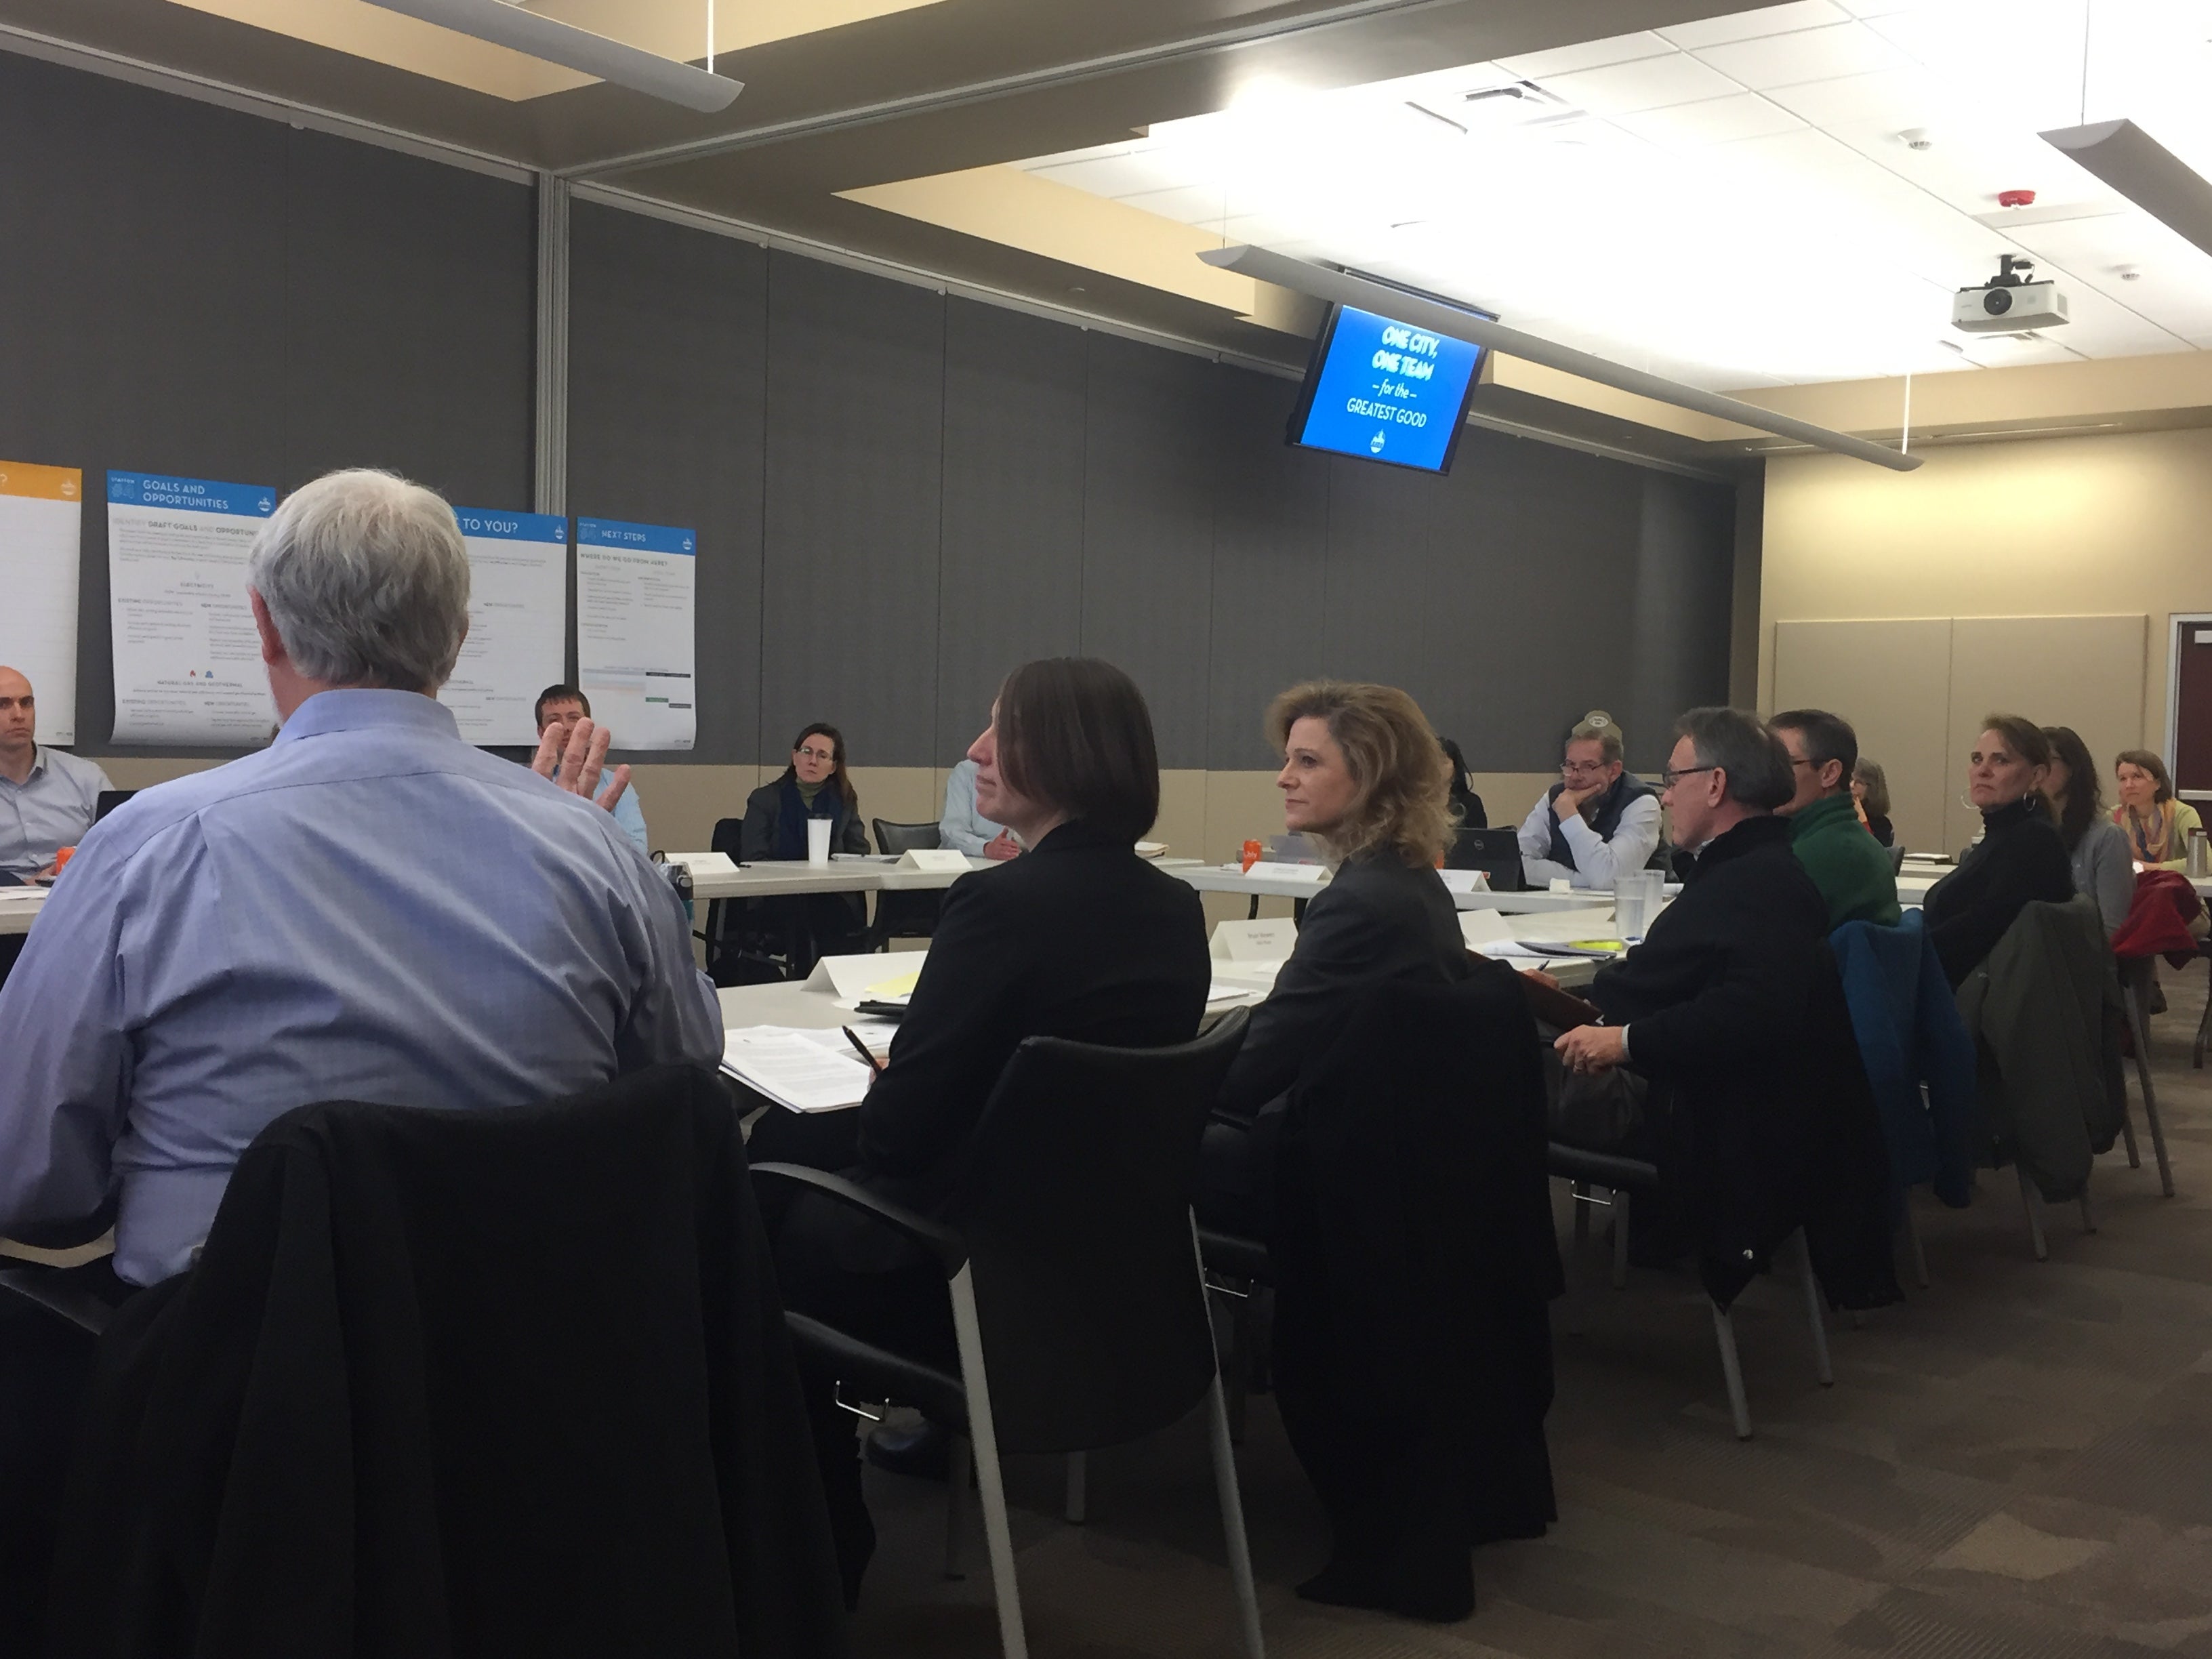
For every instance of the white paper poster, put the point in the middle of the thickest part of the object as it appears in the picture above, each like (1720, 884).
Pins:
(187, 660)
(518, 623)
(42, 512)
(636, 588)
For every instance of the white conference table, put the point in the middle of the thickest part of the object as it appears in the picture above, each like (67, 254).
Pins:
(767, 878)
(18, 906)
(1228, 878)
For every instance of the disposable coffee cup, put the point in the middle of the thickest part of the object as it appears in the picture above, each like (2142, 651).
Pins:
(817, 840)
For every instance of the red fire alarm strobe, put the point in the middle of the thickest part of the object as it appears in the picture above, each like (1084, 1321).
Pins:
(2015, 199)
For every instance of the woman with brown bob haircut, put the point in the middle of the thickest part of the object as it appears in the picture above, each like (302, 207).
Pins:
(1364, 776)
(1078, 938)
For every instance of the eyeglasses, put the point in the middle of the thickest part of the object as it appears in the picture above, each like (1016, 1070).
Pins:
(817, 754)
(1577, 768)
(1796, 763)
(1674, 777)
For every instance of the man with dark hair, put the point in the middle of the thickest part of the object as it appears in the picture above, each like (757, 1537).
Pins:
(1757, 1114)
(1847, 864)
(564, 706)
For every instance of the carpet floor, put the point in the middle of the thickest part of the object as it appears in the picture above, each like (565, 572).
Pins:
(2014, 1464)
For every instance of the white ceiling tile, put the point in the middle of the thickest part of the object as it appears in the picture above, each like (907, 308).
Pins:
(1750, 24)
(1593, 54)
(1710, 121)
(1649, 83)
(1821, 54)
(1766, 251)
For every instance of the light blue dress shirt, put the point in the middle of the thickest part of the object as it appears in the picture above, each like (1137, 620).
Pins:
(48, 810)
(629, 814)
(368, 909)
(963, 826)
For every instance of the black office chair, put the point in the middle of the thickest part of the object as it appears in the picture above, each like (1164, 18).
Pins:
(1623, 1179)
(1077, 1298)
(905, 916)
(744, 944)
(1897, 858)
(454, 1420)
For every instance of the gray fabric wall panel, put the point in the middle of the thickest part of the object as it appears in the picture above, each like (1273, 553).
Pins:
(1148, 530)
(1536, 559)
(1270, 559)
(855, 465)
(1011, 582)
(1681, 611)
(410, 323)
(898, 496)
(667, 351)
(1377, 589)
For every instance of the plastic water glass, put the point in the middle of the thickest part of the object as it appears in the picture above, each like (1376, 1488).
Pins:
(1636, 898)
(817, 840)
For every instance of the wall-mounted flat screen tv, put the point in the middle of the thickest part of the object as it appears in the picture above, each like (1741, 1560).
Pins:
(1385, 390)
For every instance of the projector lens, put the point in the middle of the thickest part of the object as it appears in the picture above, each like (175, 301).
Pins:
(1997, 302)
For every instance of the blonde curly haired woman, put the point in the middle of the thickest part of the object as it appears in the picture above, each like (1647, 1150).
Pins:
(1364, 776)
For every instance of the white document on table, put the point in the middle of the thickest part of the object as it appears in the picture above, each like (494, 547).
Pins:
(796, 1069)
(636, 595)
(1316, 873)
(1227, 993)
(187, 657)
(518, 623)
(41, 515)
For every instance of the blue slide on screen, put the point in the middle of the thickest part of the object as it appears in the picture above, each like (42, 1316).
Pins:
(1387, 391)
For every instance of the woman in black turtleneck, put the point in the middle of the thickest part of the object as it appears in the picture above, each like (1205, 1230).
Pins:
(2021, 858)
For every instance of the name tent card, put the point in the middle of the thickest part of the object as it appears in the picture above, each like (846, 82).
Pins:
(1256, 941)
(935, 860)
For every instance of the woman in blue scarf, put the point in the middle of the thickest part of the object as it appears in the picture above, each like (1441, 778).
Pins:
(814, 786)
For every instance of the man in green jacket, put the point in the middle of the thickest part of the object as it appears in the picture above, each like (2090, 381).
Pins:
(1847, 864)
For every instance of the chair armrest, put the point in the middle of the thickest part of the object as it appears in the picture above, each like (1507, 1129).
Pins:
(44, 1287)
(947, 1246)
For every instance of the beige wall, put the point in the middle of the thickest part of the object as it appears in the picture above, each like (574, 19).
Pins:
(2116, 528)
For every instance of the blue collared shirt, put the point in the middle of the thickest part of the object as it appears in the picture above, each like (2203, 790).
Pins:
(368, 909)
(963, 826)
(48, 810)
(629, 814)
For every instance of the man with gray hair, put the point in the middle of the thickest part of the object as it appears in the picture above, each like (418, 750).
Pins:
(371, 908)
(1732, 1009)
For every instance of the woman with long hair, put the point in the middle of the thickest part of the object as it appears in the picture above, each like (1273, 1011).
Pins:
(2103, 867)
(1363, 777)
(815, 784)
(1871, 789)
(2019, 860)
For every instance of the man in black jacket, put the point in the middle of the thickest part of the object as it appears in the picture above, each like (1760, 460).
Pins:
(1758, 1115)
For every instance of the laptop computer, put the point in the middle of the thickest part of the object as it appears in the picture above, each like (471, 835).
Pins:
(108, 801)
(1496, 852)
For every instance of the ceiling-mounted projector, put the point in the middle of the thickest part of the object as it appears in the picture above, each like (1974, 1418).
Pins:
(2008, 303)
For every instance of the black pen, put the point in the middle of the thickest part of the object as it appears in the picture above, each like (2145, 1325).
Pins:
(862, 1047)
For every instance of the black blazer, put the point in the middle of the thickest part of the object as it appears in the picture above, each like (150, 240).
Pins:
(1759, 1115)
(763, 822)
(2020, 860)
(1377, 920)
(1078, 938)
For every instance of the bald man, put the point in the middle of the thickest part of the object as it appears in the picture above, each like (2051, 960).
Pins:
(46, 796)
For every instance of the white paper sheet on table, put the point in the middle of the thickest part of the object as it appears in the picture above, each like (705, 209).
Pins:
(801, 1070)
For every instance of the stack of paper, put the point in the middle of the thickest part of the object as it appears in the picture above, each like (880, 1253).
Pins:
(805, 1071)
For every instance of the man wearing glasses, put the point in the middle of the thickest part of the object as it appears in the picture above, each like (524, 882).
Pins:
(1598, 821)
(1852, 868)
